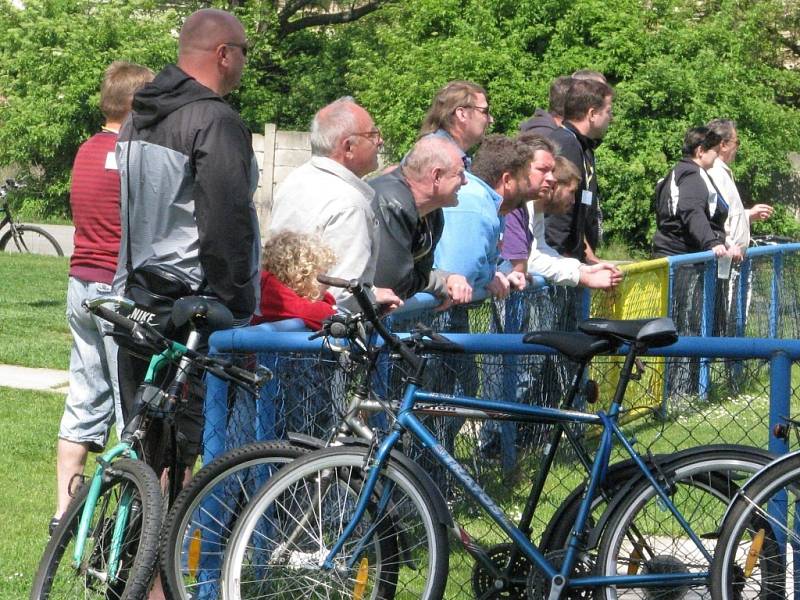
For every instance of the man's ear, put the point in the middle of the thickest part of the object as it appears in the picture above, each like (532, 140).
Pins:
(222, 54)
(436, 175)
(347, 144)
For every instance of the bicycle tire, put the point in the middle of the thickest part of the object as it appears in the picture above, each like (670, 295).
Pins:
(556, 534)
(764, 576)
(32, 240)
(57, 578)
(643, 536)
(281, 562)
(189, 560)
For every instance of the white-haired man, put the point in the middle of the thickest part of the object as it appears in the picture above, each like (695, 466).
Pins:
(327, 196)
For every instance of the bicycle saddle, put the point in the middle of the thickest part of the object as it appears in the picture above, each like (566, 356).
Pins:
(577, 346)
(201, 311)
(652, 333)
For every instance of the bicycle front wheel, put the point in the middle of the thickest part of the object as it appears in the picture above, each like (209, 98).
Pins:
(757, 553)
(398, 550)
(198, 526)
(58, 577)
(30, 239)
(642, 535)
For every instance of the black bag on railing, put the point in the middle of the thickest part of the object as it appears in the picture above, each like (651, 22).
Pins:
(154, 289)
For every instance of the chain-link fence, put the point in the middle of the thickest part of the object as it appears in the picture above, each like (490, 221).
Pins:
(687, 400)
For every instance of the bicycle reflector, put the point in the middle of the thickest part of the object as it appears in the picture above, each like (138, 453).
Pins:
(635, 560)
(361, 579)
(754, 552)
(193, 560)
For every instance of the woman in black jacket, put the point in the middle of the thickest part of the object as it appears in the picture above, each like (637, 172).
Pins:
(690, 211)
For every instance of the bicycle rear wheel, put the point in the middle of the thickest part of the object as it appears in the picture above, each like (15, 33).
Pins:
(197, 528)
(757, 553)
(30, 240)
(642, 536)
(556, 534)
(57, 577)
(399, 548)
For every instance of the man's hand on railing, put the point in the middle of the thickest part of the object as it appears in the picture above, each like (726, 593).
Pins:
(720, 250)
(387, 299)
(600, 276)
(499, 286)
(517, 280)
(735, 252)
(458, 289)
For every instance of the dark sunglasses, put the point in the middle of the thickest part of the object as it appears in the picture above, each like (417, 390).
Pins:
(243, 47)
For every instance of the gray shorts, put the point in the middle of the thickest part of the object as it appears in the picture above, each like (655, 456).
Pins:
(92, 404)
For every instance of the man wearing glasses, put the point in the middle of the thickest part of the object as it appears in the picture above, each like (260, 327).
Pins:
(327, 197)
(459, 112)
(188, 175)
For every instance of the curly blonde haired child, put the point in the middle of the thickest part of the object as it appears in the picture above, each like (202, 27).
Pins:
(289, 288)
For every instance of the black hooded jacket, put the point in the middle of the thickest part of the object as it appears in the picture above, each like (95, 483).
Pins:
(566, 232)
(188, 175)
(541, 123)
(690, 212)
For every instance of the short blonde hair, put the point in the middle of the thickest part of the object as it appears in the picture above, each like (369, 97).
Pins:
(120, 82)
(296, 259)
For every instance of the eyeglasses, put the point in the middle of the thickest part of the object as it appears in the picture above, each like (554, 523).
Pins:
(735, 142)
(243, 47)
(482, 109)
(373, 136)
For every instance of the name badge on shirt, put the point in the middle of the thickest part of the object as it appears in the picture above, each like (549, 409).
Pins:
(111, 161)
(586, 197)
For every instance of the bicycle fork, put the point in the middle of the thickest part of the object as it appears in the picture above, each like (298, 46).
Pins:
(89, 507)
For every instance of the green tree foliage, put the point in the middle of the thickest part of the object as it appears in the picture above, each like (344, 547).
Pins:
(53, 54)
(674, 64)
(52, 57)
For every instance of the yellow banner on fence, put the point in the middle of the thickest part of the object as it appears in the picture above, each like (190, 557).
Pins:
(642, 294)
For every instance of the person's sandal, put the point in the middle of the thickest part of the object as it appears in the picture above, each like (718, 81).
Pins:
(52, 526)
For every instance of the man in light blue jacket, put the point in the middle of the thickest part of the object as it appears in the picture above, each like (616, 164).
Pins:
(498, 183)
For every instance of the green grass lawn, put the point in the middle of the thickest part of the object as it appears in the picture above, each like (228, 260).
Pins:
(33, 332)
(33, 296)
(28, 429)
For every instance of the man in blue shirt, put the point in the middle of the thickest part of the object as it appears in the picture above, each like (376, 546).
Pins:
(498, 183)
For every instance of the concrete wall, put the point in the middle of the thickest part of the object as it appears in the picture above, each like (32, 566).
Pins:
(277, 153)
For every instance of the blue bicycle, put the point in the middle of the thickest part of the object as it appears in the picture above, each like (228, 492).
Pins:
(316, 530)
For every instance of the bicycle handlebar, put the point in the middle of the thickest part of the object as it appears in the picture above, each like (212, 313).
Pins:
(145, 334)
(436, 343)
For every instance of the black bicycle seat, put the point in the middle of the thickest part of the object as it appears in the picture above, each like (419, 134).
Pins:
(653, 333)
(199, 310)
(577, 346)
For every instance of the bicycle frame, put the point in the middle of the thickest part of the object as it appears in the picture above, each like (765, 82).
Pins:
(104, 462)
(407, 421)
(7, 220)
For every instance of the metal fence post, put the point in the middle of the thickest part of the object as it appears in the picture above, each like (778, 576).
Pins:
(779, 398)
(774, 308)
(707, 324)
(780, 391)
(741, 297)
